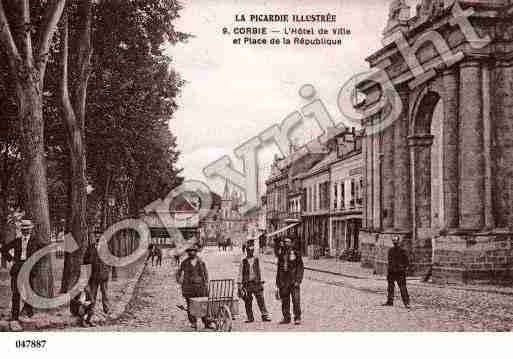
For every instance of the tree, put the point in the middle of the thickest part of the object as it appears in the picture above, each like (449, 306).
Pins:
(27, 60)
(132, 92)
(73, 114)
(9, 150)
(106, 65)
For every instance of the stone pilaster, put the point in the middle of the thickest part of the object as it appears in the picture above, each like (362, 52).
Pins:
(472, 171)
(503, 135)
(388, 177)
(365, 179)
(450, 148)
(370, 182)
(376, 163)
(402, 199)
(487, 143)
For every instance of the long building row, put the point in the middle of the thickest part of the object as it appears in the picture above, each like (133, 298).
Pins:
(318, 197)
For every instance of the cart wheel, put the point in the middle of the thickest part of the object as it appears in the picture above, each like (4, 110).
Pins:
(224, 319)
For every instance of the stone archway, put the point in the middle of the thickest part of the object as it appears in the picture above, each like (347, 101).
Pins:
(425, 142)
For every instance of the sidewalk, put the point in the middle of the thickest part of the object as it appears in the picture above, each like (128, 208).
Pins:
(120, 292)
(353, 270)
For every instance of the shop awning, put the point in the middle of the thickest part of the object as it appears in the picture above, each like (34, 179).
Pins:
(281, 230)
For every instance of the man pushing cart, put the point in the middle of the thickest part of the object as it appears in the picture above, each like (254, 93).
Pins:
(193, 277)
(213, 300)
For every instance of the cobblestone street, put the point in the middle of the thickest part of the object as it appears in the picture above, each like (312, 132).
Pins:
(329, 303)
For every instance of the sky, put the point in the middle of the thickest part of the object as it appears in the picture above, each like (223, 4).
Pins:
(233, 92)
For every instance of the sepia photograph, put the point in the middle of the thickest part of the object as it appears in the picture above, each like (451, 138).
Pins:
(184, 167)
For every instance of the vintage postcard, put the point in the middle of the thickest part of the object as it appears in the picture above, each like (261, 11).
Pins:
(255, 166)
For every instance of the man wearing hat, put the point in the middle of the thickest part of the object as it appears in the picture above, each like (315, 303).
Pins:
(19, 246)
(193, 277)
(398, 264)
(100, 273)
(288, 280)
(250, 284)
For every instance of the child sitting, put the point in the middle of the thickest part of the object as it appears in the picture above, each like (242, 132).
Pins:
(82, 308)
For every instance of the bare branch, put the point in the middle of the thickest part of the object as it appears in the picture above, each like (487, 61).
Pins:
(53, 13)
(64, 86)
(84, 61)
(7, 40)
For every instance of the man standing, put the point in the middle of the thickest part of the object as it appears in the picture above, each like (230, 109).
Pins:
(250, 284)
(262, 242)
(193, 277)
(20, 246)
(398, 264)
(99, 276)
(288, 280)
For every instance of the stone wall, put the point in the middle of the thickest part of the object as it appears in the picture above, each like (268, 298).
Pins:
(474, 258)
(367, 248)
(458, 258)
(375, 247)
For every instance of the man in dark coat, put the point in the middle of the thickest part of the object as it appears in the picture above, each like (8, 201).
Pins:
(193, 277)
(250, 284)
(100, 273)
(288, 280)
(19, 246)
(262, 242)
(398, 264)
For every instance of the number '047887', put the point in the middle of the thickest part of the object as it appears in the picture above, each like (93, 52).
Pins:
(31, 344)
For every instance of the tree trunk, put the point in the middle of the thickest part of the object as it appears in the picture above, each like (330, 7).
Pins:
(30, 99)
(73, 261)
(3, 226)
(4, 201)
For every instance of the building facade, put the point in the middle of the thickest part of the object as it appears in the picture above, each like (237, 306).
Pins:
(180, 222)
(316, 213)
(276, 197)
(439, 175)
(346, 182)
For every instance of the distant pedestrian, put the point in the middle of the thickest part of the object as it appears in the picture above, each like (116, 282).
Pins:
(288, 280)
(150, 252)
(250, 284)
(220, 241)
(398, 264)
(156, 256)
(243, 246)
(19, 246)
(193, 277)
(262, 242)
(176, 256)
(100, 273)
